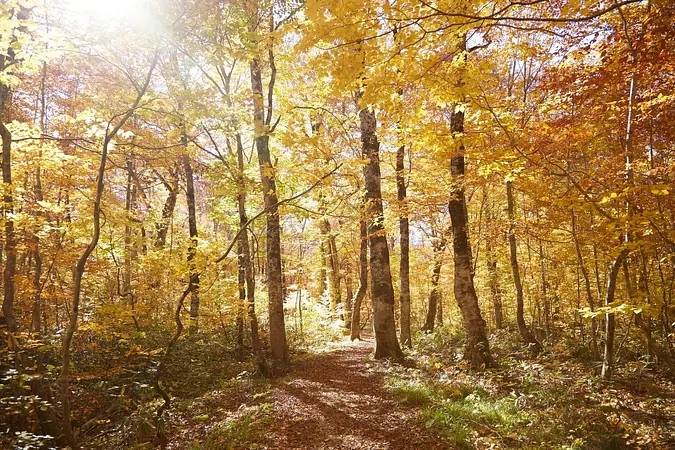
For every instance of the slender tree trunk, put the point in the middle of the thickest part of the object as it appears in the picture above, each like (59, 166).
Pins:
(64, 378)
(36, 320)
(544, 291)
(268, 178)
(247, 261)
(8, 207)
(130, 252)
(192, 248)
(527, 336)
(363, 280)
(162, 227)
(478, 347)
(434, 293)
(404, 230)
(493, 276)
(323, 270)
(349, 305)
(587, 285)
(381, 287)
(241, 305)
(608, 359)
(330, 263)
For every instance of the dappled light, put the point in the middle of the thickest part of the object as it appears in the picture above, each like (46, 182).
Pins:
(337, 224)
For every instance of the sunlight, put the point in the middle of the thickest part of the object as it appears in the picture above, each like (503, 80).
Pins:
(104, 9)
(109, 13)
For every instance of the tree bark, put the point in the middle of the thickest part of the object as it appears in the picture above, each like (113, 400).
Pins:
(404, 230)
(363, 280)
(381, 286)
(493, 276)
(247, 261)
(525, 333)
(192, 247)
(330, 264)
(478, 347)
(162, 227)
(8, 208)
(268, 177)
(439, 248)
(587, 284)
(608, 359)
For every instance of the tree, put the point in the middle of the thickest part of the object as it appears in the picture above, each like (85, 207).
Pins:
(381, 287)
(262, 119)
(404, 230)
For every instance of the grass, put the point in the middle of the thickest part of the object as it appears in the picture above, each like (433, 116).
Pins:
(456, 419)
(242, 431)
(413, 394)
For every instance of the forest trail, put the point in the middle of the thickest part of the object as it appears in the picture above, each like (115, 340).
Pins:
(339, 401)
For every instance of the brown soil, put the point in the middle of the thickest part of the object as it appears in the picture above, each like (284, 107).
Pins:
(339, 401)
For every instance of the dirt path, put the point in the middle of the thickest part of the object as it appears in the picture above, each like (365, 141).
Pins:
(338, 401)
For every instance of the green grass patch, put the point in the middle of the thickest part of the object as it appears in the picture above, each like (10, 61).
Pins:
(457, 419)
(413, 393)
(243, 431)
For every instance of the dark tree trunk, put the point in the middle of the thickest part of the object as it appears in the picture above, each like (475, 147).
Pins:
(192, 248)
(162, 227)
(381, 287)
(527, 336)
(608, 359)
(330, 264)
(363, 280)
(8, 207)
(587, 284)
(493, 276)
(434, 294)
(323, 271)
(268, 177)
(36, 320)
(241, 305)
(247, 261)
(477, 348)
(349, 298)
(130, 253)
(404, 230)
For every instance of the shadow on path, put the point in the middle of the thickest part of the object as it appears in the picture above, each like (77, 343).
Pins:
(338, 401)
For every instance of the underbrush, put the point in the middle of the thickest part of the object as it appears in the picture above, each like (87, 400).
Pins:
(241, 431)
(554, 401)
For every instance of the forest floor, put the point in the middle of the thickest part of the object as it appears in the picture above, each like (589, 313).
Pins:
(335, 400)
(340, 398)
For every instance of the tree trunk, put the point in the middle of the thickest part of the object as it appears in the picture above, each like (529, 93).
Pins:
(330, 264)
(268, 178)
(323, 271)
(381, 287)
(36, 320)
(608, 359)
(527, 336)
(130, 253)
(241, 305)
(64, 378)
(478, 347)
(363, 280)
(434, 294)
(493, 276)
(404, 230)
(162, 227)
(192, 247)
(587, 285)
(247, 261)
(349, 306)
(8, 207)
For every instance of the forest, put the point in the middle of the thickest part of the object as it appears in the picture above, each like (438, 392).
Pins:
(337, 224)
